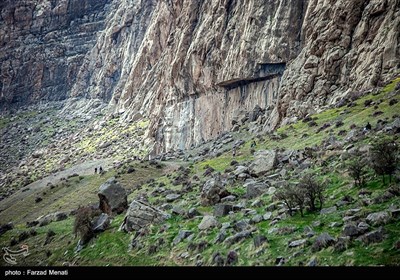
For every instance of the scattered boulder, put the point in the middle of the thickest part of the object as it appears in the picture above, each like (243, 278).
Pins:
(254, 189)
(240, 170)
(113, 197)
(178, 210)
(297, 243)
(267, 216)
(265, 160)
(192, 213)
(350, 230)
(49, 236)
(239, 237)
(375, 236)
(101, 223)
(342, 244)
(322, 241)
(217, 259)
(212, 192)
(182, 235)
(60, 216)
(220, 236)
(378, 218)
(172, 197)
(221, 210)
(313, 262)
(362, 227)
(308, 232)
(208, 222)
(241, 225)
(141, 215)
(259, 240)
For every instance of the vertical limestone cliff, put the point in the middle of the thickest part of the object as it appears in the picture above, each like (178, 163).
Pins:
(193, 67)
(42, 46)
(348, 45)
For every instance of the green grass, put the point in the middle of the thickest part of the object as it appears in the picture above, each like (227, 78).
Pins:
(111, 248)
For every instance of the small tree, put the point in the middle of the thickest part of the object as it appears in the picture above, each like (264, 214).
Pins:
(284, 195)
(358, 169)
(384, 158)
(292, 196)
(313, 191)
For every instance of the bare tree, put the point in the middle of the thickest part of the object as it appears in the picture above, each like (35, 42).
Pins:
(313, 191)
(358, 169)
(292, 196)
(384, 158)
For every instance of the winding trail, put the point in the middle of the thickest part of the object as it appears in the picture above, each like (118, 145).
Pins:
(85, 168)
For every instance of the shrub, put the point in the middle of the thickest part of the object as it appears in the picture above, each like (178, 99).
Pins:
(384, 158)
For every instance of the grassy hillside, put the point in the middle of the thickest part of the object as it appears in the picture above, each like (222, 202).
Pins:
(325, 139)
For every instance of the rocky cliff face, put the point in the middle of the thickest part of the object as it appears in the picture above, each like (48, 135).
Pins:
(42, 46)
(192, 67)
(348, 45)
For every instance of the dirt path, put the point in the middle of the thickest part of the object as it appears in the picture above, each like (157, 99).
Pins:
(85, 168)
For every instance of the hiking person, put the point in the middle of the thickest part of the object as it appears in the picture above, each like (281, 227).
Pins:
(95, 170)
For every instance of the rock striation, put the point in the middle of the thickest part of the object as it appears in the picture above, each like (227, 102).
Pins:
(194, 68)
(42, 47)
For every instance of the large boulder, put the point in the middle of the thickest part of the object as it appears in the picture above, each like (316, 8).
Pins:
(212, 192)
(265, 160)
(113, 197)
(141, 215)
(255, 189)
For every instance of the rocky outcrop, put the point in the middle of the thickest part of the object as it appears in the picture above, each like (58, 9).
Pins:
(347, 46)
(43, 45)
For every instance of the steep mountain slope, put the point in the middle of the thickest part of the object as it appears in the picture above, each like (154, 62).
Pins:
(195, 67)
(223, 209)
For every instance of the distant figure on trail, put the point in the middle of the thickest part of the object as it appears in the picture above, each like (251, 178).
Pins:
(368, 127)
(234, 152)
(95, 170)
(253, 144)
(101, 170)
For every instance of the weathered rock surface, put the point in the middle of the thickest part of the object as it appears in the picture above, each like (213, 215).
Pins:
(141, 215)
(378, 218)
(113, 197)
(264, 162)
(212, 192)
(208, 222)
(194, 67)
(43, 45)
